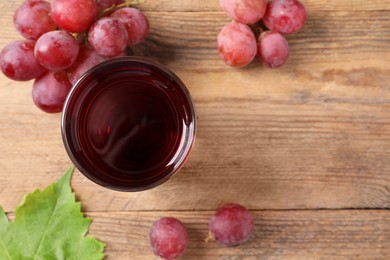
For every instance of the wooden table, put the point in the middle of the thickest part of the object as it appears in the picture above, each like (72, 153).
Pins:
(306, 147)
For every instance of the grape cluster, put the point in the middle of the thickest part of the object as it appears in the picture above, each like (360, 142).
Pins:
(257, 28)
(231, 225)
(64, 39)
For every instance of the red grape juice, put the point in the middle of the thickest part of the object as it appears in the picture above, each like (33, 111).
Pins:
(128, 124)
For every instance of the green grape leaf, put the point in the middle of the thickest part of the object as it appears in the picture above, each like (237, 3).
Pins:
(49, 224)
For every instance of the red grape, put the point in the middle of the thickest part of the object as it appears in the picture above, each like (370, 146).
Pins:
(272, 49)
(50, 90)
(104, 4)
(32, 19)
(73, 15)
(237, 44)
(87, 58)
(244, 11)
(17, 61)
(168, 238)
(136, 23)
(108, 36)
(285, 16)
(231, 225)
(56, 50)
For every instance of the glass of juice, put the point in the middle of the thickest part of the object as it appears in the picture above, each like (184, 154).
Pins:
(129, 124)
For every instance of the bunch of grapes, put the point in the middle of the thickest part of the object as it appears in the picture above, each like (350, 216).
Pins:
(258, 28)
(64, 39)
(231, 225)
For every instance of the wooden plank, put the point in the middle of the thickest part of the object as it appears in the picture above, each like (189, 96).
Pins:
(268, 155)
(278, 234)
(188, 40)
(198, 5)
(302, 234)
(213, 6)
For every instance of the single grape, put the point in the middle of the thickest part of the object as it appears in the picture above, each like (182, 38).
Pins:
(104, 4)
(285, 16)
(244, 11)
(231, 225)
(32, 19)
(236, 44)
(136, 23)
(49, 91)
(168, 238)
(272, 49)
(87, 58)
(108, 36)
(56, 50)
(73, 15)
(17, 61)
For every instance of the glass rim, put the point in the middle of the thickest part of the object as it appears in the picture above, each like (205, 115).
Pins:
(181, 152)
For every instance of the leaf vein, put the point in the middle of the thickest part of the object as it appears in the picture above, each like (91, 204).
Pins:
(46, 229)
(5, 249)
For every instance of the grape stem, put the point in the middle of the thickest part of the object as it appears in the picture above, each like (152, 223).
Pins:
(258, 28)
(111, 9)
(209, 238)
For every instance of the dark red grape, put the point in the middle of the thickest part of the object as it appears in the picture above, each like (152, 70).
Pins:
(87, 58)
(56, 50)
(17, 61)
(50, 90)
(108, 36)
(168, 238)
(32, 19)
(73, 15)
(285, 16)
(272, 49)
(244, 11)
(231, 225)
(104, 4)
(236, 44)
(136, 23)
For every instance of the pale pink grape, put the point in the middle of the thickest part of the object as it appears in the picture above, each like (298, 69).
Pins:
(74, 15)
(108, 36)
(285, 16)
(244, 11)
(231, 225)
(272, 49)
(136, 23)
(32, 19)
(56, 50)
(17, 61)
(236, 44)
(50, 90)
(168, 238)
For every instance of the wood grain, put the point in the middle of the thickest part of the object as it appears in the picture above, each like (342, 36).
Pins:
(188, 40)
(277, 235)
(286, 234)
(286, 143)
(267, 155)
(207, 6)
